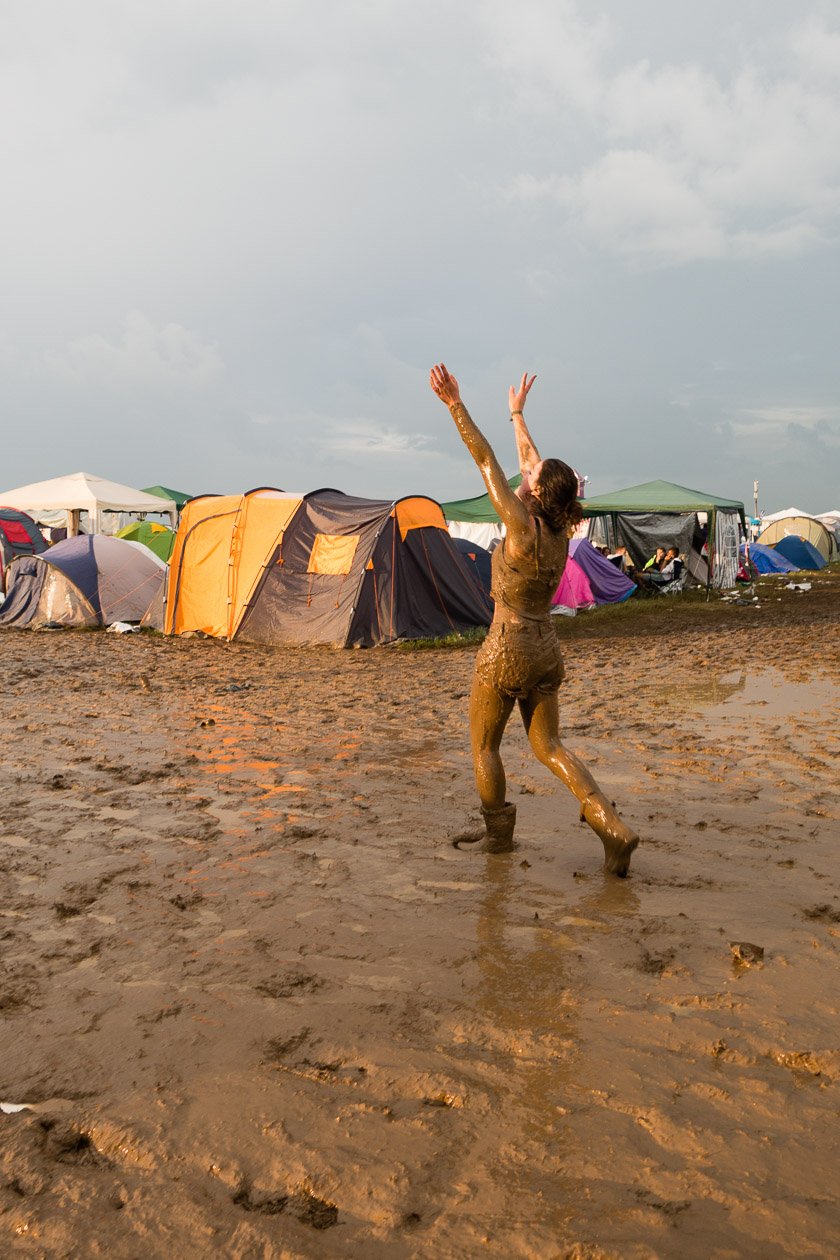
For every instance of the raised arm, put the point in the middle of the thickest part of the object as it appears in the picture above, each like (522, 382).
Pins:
(526, 448)
(510, 508)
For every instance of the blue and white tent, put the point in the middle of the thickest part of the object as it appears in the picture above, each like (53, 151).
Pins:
(91, 580)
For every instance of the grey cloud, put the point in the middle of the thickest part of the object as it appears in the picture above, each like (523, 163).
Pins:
(309, 204)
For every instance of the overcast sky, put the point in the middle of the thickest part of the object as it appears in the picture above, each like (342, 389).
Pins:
(236, 235)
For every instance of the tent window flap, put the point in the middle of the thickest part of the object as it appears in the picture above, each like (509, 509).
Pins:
(418, 514)
(332, 553)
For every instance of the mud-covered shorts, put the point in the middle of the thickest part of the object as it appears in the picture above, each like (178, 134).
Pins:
(519, 657)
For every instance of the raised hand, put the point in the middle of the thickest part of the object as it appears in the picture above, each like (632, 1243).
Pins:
(443, 383)
(517, 397)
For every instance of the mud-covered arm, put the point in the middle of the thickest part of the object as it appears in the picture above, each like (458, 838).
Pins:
(507, 503)
(510, 508)
(526, 447)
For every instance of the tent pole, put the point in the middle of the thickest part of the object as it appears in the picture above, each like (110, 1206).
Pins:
(710, 544)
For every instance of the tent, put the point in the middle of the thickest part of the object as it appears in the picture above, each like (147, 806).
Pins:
(91, 580)
(590, 579)
(476, 519)
(360, 572)
(83, 492)
(223, 544)
(831, 520)
(326, 568)
(801, 553)
(178, 497)
(768, 560)
(158, 538)
(658, 513)
(795, 524)
(19, 536)
(478, 560)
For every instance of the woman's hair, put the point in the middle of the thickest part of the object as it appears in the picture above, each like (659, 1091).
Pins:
(557, 503)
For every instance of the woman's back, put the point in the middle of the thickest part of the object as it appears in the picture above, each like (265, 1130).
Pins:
(524, 586)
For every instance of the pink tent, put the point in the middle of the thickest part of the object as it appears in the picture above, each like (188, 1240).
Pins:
(574, 590)
(589, 579)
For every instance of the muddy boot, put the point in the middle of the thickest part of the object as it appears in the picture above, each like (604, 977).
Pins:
(497, 836)
(618, 839)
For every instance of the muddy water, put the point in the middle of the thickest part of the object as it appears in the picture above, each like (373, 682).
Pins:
(265, 1008)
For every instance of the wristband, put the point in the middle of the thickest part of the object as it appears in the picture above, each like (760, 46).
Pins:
(515, 413)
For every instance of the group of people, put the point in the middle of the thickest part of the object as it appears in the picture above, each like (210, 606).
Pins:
(664, 566)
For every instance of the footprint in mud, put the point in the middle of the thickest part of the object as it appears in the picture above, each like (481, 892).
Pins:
(303, 1205)
(254, 1201)
(668, 1207)
(823, 914)
(279, 1048)
(185, 901)
(656, 964)
(64, 910)
(67, 1144)
(289, 984)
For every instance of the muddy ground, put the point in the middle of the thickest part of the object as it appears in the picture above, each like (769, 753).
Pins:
(262, 1008)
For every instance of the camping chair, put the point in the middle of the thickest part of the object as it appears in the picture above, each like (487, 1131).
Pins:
(676, 584)
(673, 588)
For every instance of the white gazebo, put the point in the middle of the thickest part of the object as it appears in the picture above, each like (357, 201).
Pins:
(82, 492)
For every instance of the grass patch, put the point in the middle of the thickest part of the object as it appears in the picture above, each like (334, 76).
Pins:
(465, 639)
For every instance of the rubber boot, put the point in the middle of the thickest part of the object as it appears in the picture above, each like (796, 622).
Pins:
(497, 836)
(618, 839)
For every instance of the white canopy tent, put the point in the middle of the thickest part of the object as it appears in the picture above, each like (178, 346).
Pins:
(770, 518)
(83, 492)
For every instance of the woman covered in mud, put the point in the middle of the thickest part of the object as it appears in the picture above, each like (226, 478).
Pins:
(520, 661)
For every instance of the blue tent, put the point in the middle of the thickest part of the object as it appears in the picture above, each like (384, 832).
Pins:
(768, 559)
(801, 554)
(90, 580)
(477, 560)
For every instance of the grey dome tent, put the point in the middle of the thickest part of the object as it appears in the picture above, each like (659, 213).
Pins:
(91, 580)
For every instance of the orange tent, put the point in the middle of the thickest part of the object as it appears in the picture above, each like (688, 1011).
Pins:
(223, 545)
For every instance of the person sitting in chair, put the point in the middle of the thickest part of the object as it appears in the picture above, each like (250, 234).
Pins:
(671, 566)
(668, 571)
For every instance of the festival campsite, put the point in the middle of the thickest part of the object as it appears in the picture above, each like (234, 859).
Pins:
(420, 631)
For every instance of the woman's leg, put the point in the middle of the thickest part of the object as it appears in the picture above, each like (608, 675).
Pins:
(489, 712)
(540, 717)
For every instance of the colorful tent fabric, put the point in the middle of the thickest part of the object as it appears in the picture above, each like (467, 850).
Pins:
(321, 568)
(83, 492)
(768, 560)
(158, 538)
(223, 544)
(19, 536)
(91, 580)
(360, 572)
(575, 590)
(590, 579)
(178, 497)
(801, 553)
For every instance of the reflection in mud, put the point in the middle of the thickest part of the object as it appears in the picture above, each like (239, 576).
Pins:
(529, 996)
(698, 695)
(780, 692)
